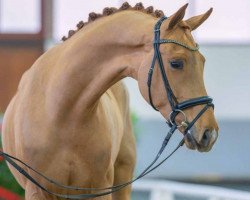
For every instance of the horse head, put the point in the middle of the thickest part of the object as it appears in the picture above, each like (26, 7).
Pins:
(184, 67)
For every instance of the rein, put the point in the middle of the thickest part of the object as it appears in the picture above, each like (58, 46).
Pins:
(177, 108)
(104, 191)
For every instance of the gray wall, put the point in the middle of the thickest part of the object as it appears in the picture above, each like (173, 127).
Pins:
(227, 79)
(228, 160)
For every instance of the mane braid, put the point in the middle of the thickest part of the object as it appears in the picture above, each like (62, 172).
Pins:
(109, 11)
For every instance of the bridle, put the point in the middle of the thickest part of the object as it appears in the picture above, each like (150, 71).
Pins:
(175, 105)
(176, 109)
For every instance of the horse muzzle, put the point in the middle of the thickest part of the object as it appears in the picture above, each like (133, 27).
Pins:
(203, 142)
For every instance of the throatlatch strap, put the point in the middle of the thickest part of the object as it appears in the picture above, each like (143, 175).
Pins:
(157, 56)
(150, 74)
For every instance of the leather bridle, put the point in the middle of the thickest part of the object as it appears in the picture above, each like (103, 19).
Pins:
(176, 109)
(175, 105)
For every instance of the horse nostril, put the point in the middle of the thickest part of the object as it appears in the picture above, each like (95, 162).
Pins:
(206, 138)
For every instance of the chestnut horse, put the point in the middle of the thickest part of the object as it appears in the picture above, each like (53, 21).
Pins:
(70, 116)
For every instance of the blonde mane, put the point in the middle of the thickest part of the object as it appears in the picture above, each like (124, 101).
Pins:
(111, 10)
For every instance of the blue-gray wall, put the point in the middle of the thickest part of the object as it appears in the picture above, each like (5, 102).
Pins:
(227, 79)
(228, 160)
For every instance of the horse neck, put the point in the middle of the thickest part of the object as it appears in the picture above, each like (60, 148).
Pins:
(102, 54)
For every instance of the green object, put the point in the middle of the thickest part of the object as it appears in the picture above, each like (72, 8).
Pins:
(135, 119)
(7, 180)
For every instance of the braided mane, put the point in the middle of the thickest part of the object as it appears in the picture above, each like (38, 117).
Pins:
(111, 10)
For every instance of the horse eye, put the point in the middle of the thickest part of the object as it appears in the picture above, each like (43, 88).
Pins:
(176, 64)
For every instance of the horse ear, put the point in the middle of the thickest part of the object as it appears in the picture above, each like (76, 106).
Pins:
(177, 17)
(195, 22)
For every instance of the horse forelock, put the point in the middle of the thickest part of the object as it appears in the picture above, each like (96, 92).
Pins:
(111, 10)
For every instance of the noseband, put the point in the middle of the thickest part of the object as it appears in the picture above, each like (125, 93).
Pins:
(175, 105)
(176, 109)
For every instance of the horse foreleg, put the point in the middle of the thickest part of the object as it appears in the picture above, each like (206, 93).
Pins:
(125, 163)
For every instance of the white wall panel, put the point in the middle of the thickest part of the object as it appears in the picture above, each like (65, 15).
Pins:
(68, 13)
(229, 22)
(168, 6)
(22, 16)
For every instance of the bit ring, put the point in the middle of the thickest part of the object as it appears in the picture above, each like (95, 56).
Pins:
(183, 123)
